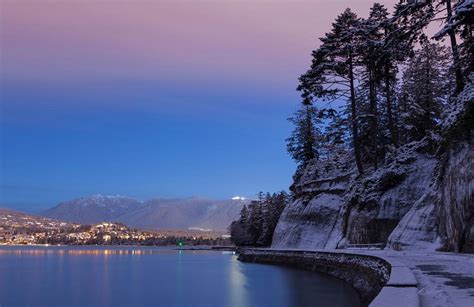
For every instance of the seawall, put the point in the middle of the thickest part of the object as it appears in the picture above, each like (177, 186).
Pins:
(376, 280)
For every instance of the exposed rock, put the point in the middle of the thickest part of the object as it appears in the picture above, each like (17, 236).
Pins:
(330, 212)
(443, 218)
(374, 210)
(420, 197)
(312, 220)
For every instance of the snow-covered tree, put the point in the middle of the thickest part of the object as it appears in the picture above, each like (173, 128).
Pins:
(411, 18)
(425, 88)
(303, 144)
(359, 62)
(335, 135)
(460, 21)
(457, 16)
(372, 53)
(332, 73)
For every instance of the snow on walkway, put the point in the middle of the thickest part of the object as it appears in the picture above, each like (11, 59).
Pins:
(444, 279)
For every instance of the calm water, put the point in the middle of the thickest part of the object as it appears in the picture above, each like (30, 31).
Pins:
(52, 276)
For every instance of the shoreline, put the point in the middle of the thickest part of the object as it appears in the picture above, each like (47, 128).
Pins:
(193, 247)
(379, 281)
(414, 278)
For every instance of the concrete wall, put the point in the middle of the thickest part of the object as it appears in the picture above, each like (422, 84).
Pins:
(367, 274)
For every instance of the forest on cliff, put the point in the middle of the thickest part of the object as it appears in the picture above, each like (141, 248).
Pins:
(383, 134)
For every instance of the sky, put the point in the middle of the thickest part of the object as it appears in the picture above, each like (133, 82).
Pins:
(151, 98)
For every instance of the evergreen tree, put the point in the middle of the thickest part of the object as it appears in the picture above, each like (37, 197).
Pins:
(460, 21)
(372, 30)
(359, 61)
(258, 221)
(417, 15)
(332, 75)
(239, 229)
(272, 207)
(454, 47)
(410, 18)
(424, 89)
(335, 136)
(303, 143)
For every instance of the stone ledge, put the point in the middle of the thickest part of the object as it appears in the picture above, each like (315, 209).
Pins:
(380, 281)
(394, 296)
(401, 276)
(400, 290)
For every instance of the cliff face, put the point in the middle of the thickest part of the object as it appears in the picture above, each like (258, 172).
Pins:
(457, 199)
(442, 218)
(340, 209)
(377, 204)
(421, 197)
(313, 220)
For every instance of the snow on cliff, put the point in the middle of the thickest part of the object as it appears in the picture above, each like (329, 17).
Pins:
(421, 197)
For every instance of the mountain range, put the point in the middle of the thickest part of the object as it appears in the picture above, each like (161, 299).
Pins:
(12, 219)
(154, 214)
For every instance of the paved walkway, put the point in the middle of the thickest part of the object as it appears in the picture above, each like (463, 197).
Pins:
(444, 279)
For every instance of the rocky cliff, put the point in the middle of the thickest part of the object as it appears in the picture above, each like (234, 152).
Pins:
(421, 197)
(443, 218)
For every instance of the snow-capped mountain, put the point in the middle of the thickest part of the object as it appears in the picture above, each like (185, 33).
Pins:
(184, 214)
(187, 213)
(93, 209)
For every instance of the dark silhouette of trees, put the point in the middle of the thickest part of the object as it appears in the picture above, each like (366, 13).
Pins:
(305, 139)
(258, 220)
(359, 103)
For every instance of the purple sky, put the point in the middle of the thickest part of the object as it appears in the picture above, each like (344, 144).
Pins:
(151, 98)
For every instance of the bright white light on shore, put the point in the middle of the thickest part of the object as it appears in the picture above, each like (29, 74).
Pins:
(238, 198)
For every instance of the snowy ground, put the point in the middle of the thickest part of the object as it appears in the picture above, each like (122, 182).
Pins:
(444, 279)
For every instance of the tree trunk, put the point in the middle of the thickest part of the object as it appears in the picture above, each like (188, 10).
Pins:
(455, 51)
(355, 132)
(309, 141)
(388, 101)
(373, 113)
(469, 38)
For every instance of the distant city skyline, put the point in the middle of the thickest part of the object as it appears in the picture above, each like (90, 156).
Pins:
(152, 98)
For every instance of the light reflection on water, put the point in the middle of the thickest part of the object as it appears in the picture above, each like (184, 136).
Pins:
(132, 276)
(45, 250)
(237, 283)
